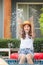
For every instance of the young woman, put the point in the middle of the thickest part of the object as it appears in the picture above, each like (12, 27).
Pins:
(26, 50)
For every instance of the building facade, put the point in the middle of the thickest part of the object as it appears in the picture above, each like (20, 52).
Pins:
(11, 11)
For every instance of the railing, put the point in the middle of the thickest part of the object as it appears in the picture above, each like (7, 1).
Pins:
(5, 50)
(9, 50)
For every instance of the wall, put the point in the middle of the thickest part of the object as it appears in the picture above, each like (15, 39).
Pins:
(13, 19)
(1, 18)
(28, 0)
(7, 18)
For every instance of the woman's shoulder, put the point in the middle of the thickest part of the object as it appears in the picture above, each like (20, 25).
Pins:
(30, 38)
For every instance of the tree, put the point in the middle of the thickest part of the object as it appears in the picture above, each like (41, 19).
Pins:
(41, 21)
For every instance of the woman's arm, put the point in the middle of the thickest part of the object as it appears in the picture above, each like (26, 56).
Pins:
(32, 28)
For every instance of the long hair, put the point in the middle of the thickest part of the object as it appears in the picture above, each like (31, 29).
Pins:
(23, 35)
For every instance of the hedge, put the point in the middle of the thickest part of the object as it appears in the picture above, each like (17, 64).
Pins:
(38, 45)
(15, 43)
(4, 43)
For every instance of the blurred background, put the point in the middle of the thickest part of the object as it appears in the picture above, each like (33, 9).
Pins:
(12, 12)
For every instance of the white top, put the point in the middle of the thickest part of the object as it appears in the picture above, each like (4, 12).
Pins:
(27, 43)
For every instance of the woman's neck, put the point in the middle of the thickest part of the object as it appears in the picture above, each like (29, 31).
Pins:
(26, 33)
(27, 36)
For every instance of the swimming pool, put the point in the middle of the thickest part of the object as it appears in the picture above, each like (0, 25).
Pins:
(15, 62)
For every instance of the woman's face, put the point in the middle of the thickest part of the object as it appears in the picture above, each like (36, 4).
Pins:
(26, 28)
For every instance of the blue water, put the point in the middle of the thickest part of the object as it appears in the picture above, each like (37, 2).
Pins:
(15, 62)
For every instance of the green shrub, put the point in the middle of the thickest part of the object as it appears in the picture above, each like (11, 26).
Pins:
(41, 21)
(4, 43)
(38, 44)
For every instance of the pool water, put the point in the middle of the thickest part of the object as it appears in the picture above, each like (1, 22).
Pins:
(15, 62)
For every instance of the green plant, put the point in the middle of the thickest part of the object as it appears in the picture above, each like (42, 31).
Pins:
(38, 43)
(4, 43)
(41, 21)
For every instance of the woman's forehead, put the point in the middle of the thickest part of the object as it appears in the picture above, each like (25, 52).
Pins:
(26, 25)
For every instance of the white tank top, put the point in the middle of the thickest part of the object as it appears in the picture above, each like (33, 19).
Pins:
(27, 43)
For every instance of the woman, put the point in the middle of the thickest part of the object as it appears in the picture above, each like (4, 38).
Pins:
(26, 50)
